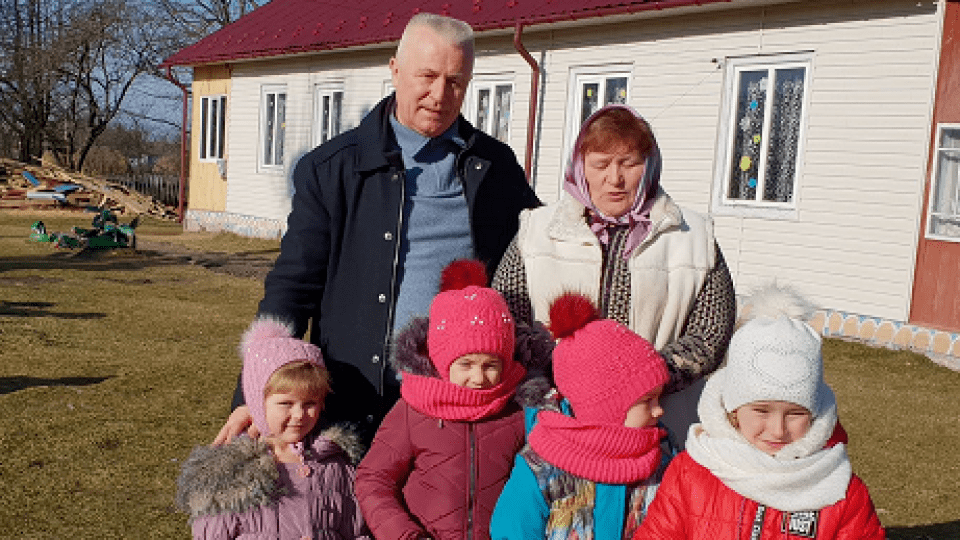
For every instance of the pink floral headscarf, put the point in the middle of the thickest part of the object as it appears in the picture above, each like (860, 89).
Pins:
(638, 218)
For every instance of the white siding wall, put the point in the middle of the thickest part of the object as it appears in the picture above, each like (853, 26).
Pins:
(852, 242)
(266, 194)
(850, 245)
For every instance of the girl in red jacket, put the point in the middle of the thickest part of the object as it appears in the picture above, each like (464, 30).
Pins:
(760, 465)
(444, 451)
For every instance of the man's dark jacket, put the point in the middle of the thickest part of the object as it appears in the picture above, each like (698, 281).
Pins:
(337, 268)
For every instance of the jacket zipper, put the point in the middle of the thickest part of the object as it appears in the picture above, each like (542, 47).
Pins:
(397, 177)
(473, 479)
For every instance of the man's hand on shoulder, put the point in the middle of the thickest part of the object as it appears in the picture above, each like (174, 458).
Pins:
(238, 421)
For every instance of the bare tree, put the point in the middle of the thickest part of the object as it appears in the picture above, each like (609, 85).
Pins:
(32, 48)
(113, 43)
(197, 18)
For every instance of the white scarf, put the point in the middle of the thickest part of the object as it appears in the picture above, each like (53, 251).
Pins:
(801, 476)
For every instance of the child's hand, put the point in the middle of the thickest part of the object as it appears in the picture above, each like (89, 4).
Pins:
(238, 421)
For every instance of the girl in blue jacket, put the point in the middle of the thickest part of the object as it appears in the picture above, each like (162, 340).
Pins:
(593, 459)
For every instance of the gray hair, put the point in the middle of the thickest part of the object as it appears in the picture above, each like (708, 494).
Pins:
(452, 30)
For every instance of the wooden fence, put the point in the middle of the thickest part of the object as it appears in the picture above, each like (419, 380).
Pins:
(164, 188)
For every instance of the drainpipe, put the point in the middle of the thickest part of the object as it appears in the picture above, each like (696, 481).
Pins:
(183, 144)
(534, 96)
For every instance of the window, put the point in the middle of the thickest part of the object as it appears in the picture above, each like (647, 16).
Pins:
(273, 125)
(595, 91)
(590, 89)
(944, 220)
(490, 112)
(213, 126)
(329, 109)
(764, 120)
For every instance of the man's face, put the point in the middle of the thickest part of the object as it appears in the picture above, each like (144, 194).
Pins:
(430, 77)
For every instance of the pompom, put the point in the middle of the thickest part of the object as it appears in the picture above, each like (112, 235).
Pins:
(772, 300)
(264, 328)
(461, 274)
(571, 312)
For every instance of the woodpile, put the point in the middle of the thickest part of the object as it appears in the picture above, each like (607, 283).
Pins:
(57, 188)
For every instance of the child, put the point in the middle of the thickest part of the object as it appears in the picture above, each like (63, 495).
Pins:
(444, 451)
(761, 464)
(589, 473)
(286, 484)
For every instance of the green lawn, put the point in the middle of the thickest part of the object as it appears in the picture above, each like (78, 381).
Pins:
(113, 367)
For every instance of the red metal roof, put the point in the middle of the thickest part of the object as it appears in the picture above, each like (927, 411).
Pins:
(283, 27)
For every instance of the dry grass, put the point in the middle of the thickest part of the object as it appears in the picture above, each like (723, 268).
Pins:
(113, 367)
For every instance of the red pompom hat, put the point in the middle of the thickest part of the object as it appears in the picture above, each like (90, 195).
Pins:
(467, 317)
(599, 365)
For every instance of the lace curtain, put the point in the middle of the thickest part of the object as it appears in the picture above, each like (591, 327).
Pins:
(783, 139)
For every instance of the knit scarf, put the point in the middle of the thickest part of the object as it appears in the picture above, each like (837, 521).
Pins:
(445, 400)
(801, 476)
(601, 453)
(638, 218)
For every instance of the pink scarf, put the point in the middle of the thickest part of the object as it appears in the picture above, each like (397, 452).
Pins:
(445, 400)
(638, 218)
(601, 453)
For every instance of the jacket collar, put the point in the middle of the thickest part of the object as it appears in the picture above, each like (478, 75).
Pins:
(375, 130)
(569, 224)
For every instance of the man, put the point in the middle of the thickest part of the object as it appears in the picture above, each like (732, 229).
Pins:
(380, 210)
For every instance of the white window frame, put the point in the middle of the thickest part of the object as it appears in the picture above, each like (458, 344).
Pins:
(325, 93)
(579, 77)
(388, 87)
(935, 183)
(278, 131)
(729, 128)
(211, 144)
(490, 84)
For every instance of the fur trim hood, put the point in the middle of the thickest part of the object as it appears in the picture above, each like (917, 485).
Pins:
(532, 350)
(243, 474)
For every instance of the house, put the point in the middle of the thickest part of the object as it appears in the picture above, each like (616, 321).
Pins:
(823, 137)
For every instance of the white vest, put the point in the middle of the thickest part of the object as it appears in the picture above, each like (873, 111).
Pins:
(667, 271)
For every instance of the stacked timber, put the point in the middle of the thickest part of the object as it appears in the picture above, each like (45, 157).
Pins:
(40, 187)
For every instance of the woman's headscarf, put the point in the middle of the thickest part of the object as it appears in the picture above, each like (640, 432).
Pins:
(638, 217)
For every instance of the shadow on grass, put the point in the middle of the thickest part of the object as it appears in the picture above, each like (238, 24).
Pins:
(938, 531)
(14, 384)
(93, 260)
(41, 309)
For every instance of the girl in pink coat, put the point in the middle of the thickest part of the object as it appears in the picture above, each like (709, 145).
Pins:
(444, 451)
(286, 484)
(761, 464)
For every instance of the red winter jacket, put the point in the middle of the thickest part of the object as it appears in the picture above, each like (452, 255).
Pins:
(425, 476)
(693, 504)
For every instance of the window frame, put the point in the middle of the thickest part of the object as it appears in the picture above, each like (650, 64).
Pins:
(211, 144)
(934, 184)
(579, 76)
(279, 128)
(321, 91)
(490, 83)
(728, 128)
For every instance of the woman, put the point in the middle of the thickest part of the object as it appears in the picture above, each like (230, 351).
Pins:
(617, 237)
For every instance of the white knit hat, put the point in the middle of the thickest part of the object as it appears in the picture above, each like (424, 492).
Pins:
(775, 359)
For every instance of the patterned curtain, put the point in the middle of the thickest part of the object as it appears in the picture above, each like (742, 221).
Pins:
(746, 151)
(784, 135)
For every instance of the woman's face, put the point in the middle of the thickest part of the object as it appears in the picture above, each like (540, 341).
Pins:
(613, 179)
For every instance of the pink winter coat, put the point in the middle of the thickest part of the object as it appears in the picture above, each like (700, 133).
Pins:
(693, 504)
(239, 491)
(425, 476)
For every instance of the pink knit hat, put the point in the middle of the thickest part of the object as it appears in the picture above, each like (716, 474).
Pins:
(266, 346)
(467, 317)
(600, 365)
